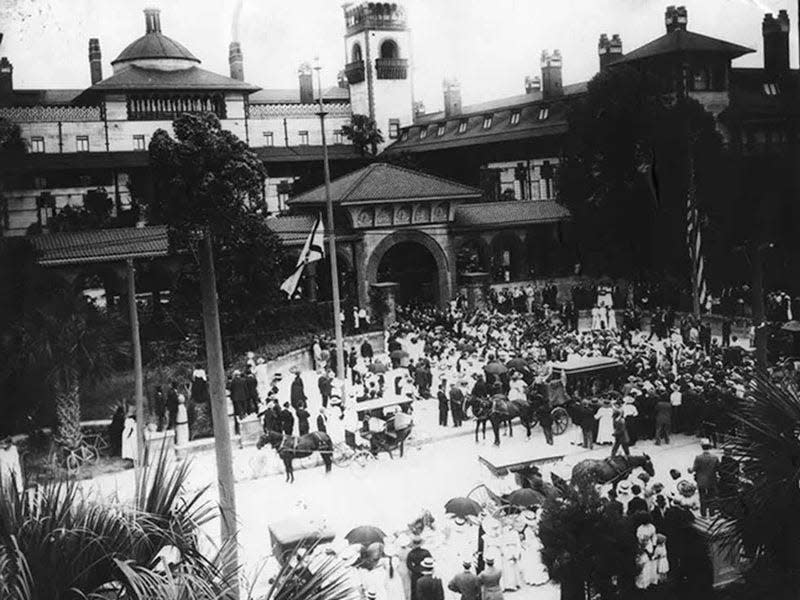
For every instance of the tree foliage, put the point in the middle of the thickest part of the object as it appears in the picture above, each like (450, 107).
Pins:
(363, 132)
(205, 177)
(12, 145)
(625, 172)
(583, 543)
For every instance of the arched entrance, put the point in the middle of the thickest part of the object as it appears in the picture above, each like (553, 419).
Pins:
(412, 266)
(416, 262)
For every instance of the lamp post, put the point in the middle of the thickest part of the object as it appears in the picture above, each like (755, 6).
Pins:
(337, 310)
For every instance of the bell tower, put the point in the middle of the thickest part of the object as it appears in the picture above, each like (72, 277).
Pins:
(378, 68)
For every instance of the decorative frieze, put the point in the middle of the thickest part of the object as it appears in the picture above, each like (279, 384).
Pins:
(50, 114)
(397, 215)
(266, 111)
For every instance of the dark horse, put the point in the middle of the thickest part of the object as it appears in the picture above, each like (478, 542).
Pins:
(289, 447)
(499, 410)
(613, 468)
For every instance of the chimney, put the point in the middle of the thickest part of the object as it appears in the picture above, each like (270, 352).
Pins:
(533, 84)
(95, 63)
(306, 77)
(551, 75)
(609, 50)
(152, 20)
(236, 61)
(419, 109)
(676, 18)
(776, 43)
(452, 97)
(6, 79)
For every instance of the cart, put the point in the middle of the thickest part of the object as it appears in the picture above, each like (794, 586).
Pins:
(384, 433)
(288, 535)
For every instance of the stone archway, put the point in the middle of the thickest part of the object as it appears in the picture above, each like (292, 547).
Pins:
(441, 278)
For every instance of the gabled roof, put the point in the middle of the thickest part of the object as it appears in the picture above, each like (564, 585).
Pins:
(292, 228)
(100, 245)
(155, 45)
(511, 212)
(292, 95)
(680, 41)
(135, 78)
(381, 182)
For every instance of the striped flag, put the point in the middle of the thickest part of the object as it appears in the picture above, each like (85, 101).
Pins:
(313, 250)
(694, 240)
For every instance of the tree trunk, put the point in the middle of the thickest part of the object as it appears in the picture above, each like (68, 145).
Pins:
(759, 316)
(68, 418)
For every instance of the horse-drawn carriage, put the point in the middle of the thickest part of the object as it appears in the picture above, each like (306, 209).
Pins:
(579, 374)
(384, 432)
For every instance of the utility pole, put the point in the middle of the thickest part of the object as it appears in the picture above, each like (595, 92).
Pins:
(138, 376)
(219, 411)
(337, 324)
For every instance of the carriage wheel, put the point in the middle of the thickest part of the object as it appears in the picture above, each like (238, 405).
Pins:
(342, 455)
(362, 457)
(560, 420)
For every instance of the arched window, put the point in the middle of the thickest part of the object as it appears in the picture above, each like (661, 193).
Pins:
(389, 49)
(356, 55)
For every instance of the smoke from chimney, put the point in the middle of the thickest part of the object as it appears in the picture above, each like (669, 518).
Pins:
(237, 13)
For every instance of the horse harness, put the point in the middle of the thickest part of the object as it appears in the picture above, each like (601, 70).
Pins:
(620, 473)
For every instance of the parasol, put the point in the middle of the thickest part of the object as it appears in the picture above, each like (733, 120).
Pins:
(520, 364)
(378, 367)
(462, 507)
(365, 535)
(495, 368)
(398, 354)
(525, 497)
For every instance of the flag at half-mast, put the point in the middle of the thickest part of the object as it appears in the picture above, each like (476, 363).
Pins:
(312, 251)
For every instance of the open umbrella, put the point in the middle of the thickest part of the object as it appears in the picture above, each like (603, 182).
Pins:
(398, 354)
(495, 368)
(365, 535)
(525, 497)
(462, 507)
(378, 367)
(520, 364)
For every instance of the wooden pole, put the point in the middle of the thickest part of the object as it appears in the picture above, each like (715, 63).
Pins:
(337, 309)
(138, 375)
(219, 411)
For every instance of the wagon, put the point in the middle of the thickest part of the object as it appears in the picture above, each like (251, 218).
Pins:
(384, 433)
(288, 535)
(579, 372)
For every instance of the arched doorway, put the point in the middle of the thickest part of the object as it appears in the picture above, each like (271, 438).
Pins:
(416, 261)
(412, 266)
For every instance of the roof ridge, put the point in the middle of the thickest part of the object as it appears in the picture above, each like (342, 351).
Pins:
(429, 175)
(358, 181)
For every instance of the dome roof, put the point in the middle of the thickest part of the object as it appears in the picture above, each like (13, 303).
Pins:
(154, 44)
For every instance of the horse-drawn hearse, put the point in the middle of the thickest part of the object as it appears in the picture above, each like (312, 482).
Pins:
(580, 373)
(384, 425)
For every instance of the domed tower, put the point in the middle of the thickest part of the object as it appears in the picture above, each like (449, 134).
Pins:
(378, 48)
(154, 50)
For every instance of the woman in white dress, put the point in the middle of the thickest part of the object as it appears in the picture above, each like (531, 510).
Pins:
(512, 555)
(646, 559)
(611, 318)
(535, 572)
(596, 317)
(129, 450)
(517, 388)
(605, 428)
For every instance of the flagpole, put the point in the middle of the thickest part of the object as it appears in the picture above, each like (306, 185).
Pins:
(337, 324)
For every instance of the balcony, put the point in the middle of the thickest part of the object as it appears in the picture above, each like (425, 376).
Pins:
(391, 68)
(354, 72)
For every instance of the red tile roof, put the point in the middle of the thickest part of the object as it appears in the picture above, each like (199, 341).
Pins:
(512, 212)
(680, 41)
(100, 245)
(381, 181)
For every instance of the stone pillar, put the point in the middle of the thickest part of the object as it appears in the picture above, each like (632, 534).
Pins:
(477, 288)
(386, 294)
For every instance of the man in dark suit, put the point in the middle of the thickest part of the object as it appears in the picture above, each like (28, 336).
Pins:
(287, 420)
(239, 393)
(457, 405)
(490, 581)
(366, 351)
(466, 583)
(414, 564)
(663, 419)
(325, 386)
(658, 513)
(429, 587)
(297, 392)
(706, 466)
(637, 503)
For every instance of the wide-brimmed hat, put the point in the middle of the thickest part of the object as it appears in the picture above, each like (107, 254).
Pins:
(489, 560)
(623, 486)
(416, 540)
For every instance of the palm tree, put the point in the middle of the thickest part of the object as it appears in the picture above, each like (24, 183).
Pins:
(66, 340)
(364, 133)
(763, 513)
(57, 543)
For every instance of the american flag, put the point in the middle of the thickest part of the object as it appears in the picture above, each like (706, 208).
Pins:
(694, 239)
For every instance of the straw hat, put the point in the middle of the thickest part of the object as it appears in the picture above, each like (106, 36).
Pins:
(427, 564)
